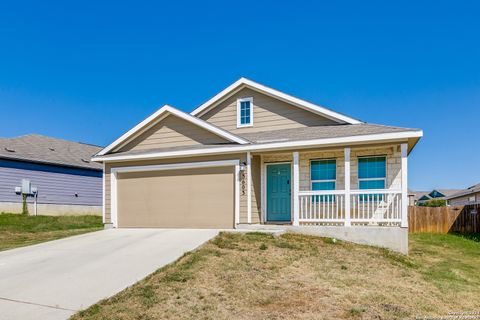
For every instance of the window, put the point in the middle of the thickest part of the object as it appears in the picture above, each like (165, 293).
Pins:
(372, 172)
(323, 176)
(244, 112)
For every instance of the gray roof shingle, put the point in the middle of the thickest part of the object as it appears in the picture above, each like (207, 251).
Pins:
(38, 148)
(473, 189)
(321, 132)
(418, 194)
(284, 135)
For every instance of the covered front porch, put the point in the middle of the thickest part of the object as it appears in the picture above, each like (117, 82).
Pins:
(350, 187)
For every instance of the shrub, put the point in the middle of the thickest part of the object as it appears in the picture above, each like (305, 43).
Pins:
(433, 203)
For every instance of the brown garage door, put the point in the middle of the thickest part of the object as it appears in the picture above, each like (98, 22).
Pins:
(186, 198)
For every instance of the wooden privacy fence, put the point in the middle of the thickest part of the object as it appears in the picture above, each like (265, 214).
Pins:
(463, 219)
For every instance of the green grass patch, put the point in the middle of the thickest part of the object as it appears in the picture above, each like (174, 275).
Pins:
(450, 261)
(286, 245)
(399, 259)
(357, 311)
(21, 230)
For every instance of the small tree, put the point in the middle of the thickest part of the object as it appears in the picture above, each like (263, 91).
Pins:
(24, 205)
(433, 203)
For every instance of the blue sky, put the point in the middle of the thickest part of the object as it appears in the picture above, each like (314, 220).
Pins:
(89, 70)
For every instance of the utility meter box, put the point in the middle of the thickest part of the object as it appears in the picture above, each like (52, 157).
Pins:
(26, 186)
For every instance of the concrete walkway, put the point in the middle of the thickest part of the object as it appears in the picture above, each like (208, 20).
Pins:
(55, 279)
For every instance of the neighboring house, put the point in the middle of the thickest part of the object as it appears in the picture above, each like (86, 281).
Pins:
(470, 195)
(67, 182)
(253, 156)
(413, 197)
(420, 197)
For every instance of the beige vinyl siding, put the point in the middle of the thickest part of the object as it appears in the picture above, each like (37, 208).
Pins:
(268, 114)
(108, 167)
(256, 193)
(243, 198)
(256, 189)
(391, 152)
(173, 132)
(466, 198)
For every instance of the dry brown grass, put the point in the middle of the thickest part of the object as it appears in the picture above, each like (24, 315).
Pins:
(257, 276)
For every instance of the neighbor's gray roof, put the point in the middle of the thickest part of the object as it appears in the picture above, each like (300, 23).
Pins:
(321, 132)
(418, 194)
(38, 148)
(473, 189)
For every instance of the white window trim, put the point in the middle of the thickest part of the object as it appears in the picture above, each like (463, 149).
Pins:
(329, 180)
(239, 101)
(372, 179)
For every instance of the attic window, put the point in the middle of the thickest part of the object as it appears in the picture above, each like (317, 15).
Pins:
(244, 112)
(9, 150)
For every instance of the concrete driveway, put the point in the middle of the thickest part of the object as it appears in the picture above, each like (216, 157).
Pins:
(55, 279)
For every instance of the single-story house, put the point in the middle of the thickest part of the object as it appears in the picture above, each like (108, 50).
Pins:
(420, 197)
(471, 195)
(254, 157)
(57, 176)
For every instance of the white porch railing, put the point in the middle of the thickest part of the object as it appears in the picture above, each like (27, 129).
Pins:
(367, 207)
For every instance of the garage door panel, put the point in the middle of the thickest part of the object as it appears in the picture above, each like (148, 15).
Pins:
(187, 198)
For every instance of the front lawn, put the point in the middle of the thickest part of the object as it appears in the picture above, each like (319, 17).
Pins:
(21, 230)
(257, 276)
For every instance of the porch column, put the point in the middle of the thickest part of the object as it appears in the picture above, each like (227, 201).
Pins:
(347, 187)
(249, 187)
(404, 149)
(296, 189)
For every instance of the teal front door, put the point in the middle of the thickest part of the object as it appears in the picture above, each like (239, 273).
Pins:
(278, 192)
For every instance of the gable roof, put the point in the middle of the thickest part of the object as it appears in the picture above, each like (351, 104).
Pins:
(424, 197)
(427, 195)
(308, 138)
(246, 83)
(436, 194)
(48, 150)
(161, 114)
(470, 190)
